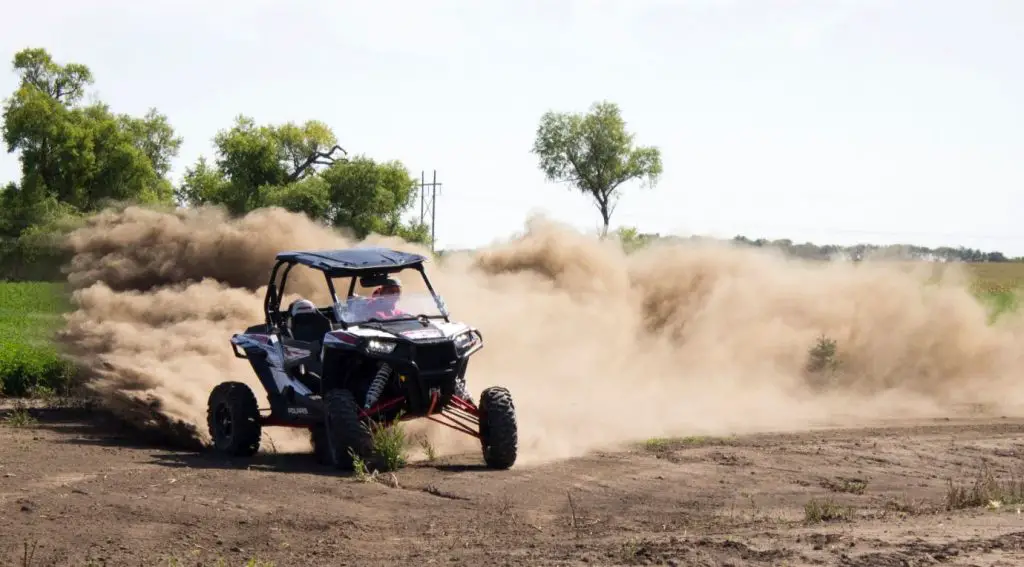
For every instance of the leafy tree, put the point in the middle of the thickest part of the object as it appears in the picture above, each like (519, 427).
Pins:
(295, 167)
(594, 154)
(80, 156)
(370, 197)
(252, 160)
(311, 196)
(154, 136)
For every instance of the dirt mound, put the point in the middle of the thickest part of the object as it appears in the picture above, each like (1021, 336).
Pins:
(597, 347)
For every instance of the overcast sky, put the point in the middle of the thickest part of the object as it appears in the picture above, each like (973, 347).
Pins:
(823, 120)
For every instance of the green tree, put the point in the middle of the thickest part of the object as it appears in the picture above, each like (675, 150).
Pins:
(310, 196)
(594, 154)
(253, 161)
(296, 167)
(79, 156)
(370, 197)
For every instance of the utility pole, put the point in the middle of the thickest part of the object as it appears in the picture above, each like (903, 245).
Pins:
(428, 204)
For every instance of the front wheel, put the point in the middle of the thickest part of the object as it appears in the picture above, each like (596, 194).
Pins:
(499, 433)
(345, 432)
(233, 419)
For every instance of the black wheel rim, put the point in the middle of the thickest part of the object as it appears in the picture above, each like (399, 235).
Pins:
(224, 422)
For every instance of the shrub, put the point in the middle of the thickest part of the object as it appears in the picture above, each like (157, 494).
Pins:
(389, 442)
(823, 362)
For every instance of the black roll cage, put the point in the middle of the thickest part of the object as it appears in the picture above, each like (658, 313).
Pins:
(272, 299)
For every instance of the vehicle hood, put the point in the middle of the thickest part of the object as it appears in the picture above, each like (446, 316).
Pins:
(409, 330)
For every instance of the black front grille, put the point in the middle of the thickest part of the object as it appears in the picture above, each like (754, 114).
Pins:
(433, 357)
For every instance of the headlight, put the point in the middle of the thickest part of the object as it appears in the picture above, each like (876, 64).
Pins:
(380, 347)
(466, 341)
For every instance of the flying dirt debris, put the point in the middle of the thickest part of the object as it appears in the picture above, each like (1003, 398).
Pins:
(599, 347)
(386, 358)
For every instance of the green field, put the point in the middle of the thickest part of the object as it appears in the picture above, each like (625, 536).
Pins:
(999, 285)
(31, 312)
(29, 315)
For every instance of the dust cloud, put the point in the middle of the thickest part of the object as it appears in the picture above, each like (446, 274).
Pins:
(598, 347)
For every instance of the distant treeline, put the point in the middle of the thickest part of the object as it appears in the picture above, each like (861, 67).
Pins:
(894, 251)
(633, 239)
(811, 251)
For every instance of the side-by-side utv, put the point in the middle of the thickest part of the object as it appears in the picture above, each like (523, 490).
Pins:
(335, 369)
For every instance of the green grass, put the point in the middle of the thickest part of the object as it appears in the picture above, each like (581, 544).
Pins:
(389, 444)
(999, 286)
(30, 313)
(1000, 302)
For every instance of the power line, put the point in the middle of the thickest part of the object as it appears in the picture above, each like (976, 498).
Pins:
(428, 204)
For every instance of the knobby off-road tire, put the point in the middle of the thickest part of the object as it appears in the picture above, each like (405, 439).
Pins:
(499, 432)
(345, 431)
(233, 419)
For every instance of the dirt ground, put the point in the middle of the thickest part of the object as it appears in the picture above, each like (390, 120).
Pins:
(81, 491)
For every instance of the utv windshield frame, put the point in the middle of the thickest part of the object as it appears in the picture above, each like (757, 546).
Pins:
(369, 265)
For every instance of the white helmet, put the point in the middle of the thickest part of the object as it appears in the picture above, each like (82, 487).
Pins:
(301, 306)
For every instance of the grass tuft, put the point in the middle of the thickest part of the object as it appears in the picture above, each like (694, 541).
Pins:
(845, 485)
(19, 416)
(985, 489)
(428, 448)
(818, 511)
(389, 443)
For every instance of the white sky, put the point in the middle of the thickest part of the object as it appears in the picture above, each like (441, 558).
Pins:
(826, 120)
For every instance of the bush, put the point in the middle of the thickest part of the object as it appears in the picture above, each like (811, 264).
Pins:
(24, 369)
(390, 444)
(824, 362)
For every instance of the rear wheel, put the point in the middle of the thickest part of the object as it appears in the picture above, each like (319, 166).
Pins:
(233, 419)
(345, 432)
(499, 432)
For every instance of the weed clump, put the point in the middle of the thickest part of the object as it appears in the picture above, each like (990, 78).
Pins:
(19, 416)
(985, 489)
(428, 448)
(818, 511)
(389, 451)
(389, 443)
(846, 485)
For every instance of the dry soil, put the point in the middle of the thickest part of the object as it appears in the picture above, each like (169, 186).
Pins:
(76, 488)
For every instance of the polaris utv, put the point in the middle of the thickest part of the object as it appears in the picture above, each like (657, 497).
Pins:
(338, 369)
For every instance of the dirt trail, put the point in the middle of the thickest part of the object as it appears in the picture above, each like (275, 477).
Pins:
(83, 490)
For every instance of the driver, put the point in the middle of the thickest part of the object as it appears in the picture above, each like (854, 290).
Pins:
(385, 300)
